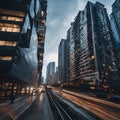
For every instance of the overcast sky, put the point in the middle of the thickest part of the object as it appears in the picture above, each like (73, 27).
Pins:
(60, 13)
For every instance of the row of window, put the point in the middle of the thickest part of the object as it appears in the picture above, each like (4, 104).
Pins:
(9, 27)
(10, 18)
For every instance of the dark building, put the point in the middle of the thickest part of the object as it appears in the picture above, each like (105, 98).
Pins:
(41, 29)
(115, 24)
(56, 75)
(91, 47)
(62, 61)
(68, 56)
(19, 45)
(50, 72)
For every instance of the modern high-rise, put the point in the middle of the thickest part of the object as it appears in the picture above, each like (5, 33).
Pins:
(19, 44)
(62, 61)
(68, 56)
(56, 75)
(50, 72)
(115, 24)
(91, 47)
(41, 29)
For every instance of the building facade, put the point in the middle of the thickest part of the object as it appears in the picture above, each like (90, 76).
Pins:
(18, 46)
(50, 72)
(62, 61)
(56, 76)
(41, 29)
(71, 53)
(115, 24)
(68, 56)
(92, 54)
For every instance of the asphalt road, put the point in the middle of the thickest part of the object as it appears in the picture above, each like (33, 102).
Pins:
(101, 108)
(39, 110)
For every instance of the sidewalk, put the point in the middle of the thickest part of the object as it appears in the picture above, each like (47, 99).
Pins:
(3, 103)
(12, 111)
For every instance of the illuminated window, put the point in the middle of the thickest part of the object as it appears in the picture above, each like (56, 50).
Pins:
(7, 43)
(92, 57)
(3, 29)
(41, 41)
(11, 12)
(16, 30)
(15, 19)
(42, 13)
(43, 21)
(5, 58)
(11, 18)
(4, 18)
(41, 54)
(18, 19)
(40, 61)
(9, 27)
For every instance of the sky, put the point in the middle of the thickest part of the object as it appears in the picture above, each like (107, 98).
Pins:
(60, 13)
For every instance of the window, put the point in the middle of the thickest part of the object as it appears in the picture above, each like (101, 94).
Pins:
(9, 27)
(7, 43)
(5, 58)
(11, 18)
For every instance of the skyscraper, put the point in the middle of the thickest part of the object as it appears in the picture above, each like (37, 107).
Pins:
(70, 56)
(19, 45)
(92, 47)
(62, 61)
(41, 29)
(50, 71)
(115, 24)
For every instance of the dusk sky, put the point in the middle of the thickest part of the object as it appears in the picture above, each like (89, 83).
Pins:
(60, 13)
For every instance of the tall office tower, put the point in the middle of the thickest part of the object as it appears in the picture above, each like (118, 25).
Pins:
(76, 38)
(18, 45)
(71, 53)
(50, 71)
(41, 7)
(115, 24)
(62, 61)
(92, 57)
(56, 75)
(68, 56)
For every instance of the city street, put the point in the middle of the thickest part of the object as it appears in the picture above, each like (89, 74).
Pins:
(59, 59)
(15, 109)
(39, 110)
(101, 108)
